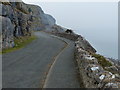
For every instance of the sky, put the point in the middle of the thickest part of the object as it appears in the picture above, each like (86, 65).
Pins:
(30, 1)
(96, 21)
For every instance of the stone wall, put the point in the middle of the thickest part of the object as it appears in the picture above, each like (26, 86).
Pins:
(81, 41)
(92, 74)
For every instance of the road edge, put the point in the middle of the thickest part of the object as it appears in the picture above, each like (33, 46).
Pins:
(54, 60)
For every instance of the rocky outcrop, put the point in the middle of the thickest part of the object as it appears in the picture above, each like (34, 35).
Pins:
(15, 22)
(7, 36)
(95, 72)
(40, 20)
(20, 19)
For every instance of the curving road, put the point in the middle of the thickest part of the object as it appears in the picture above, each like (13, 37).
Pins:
(47, 62)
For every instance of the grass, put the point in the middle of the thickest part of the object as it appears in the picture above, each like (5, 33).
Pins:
(20, 42)
(102, 60)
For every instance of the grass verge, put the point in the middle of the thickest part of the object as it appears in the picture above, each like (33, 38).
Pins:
(19, 43)
(102, 60)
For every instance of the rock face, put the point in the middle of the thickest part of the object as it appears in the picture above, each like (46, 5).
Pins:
(7, 36)
(40, 20)
(20, 19)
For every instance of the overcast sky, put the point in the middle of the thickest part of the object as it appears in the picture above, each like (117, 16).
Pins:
(30, 1)
(96, 21)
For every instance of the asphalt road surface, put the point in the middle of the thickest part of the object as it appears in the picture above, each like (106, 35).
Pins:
(48, 62)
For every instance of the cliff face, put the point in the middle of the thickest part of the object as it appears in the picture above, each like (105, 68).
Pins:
(20, 19)
(40, 20)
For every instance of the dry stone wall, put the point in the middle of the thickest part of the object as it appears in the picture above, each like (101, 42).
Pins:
(93, 75)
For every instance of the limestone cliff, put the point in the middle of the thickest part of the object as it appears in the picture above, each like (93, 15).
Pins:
(20, 19)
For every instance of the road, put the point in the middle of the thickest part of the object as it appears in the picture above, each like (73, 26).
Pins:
(48, 62)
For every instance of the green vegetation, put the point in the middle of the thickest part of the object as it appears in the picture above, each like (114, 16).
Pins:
(20, 43)
(102, 61)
